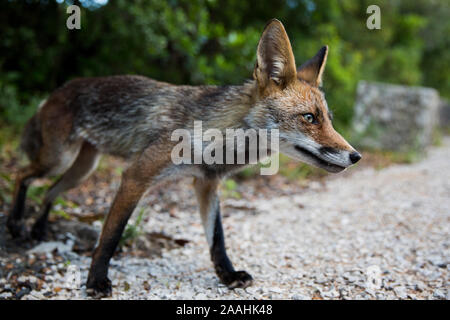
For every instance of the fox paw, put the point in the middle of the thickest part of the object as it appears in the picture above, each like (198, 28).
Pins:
(99, 288)
(17, 229)
(38, 232)
(237, 279)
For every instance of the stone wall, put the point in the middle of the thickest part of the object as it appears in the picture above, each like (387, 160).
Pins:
(394, 117)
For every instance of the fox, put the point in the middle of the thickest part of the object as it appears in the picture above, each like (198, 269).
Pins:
(132, 117)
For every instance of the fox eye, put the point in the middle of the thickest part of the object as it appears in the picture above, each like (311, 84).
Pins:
(309, 117)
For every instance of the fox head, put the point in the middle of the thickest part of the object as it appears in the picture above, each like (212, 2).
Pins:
(289, 99)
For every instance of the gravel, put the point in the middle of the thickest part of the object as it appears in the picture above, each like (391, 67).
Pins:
(365, 234)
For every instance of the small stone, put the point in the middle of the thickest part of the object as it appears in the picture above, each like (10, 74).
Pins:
(371, 292)
(380, 296)
(201, 296)
(300, 297)
(321, 280)
(400, 292)
(438, 294)
(420, 286)
(48, 247)
(437, 261)
(32, 279)
(330, 294)
(35, 295)
(5, 295)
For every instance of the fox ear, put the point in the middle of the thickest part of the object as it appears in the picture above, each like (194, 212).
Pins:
(275, 60)
(311, 71)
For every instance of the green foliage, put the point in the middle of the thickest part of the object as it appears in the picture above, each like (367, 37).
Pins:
(295, 171)
(15, 109)
(61, 213)
(229, 189)
(132, 231)
(36, 193)
(248, 172)
(6, 187)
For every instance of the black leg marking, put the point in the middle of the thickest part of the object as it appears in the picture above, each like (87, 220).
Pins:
(98, 285)
(14, 222)
(23, 180)
(222, 264)
(39, 230)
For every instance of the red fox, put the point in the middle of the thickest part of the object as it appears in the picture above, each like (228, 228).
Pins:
(133, 117)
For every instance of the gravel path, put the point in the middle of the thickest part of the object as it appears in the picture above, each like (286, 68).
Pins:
(364, 235)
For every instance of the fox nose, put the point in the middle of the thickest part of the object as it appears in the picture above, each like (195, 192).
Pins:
(355, 157)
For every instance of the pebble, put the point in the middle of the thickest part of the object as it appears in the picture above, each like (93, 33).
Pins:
(300, 297)
(439, 294)
(48, 247)
(401, 292)
(5, 295)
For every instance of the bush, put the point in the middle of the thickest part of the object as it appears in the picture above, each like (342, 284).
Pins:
(16, 109)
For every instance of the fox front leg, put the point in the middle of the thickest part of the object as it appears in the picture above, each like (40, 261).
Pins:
(98, 285)
(206, 191)
(136, 179)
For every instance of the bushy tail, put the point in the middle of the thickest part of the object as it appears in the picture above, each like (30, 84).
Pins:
(31, 140)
